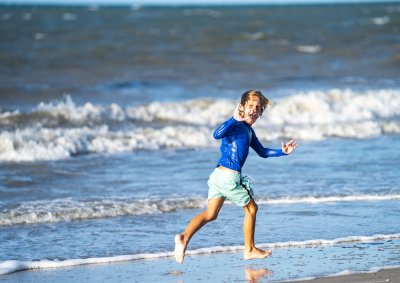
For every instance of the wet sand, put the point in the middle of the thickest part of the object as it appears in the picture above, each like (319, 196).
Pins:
(385, 275)
(362, 260)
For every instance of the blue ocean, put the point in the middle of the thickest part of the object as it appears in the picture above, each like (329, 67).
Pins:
(107, 115)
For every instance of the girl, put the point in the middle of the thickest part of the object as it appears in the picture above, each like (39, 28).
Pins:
(226, 181)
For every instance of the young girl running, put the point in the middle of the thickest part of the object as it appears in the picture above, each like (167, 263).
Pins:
(226, 181)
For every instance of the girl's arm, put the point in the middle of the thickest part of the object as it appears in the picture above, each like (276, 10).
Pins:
(224, 128)
(267, 152)
(262, 151)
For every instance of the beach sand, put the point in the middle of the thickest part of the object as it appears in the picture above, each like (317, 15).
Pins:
(385, 275)
(286, 264)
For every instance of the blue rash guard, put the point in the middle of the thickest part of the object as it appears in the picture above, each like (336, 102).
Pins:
(237, 137)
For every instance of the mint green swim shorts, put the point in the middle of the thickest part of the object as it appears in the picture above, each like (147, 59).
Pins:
(229, 185)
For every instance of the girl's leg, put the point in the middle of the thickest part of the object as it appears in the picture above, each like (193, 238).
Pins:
(249, 225)
(210, 214)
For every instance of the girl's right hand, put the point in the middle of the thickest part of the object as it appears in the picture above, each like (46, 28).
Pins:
(237, 116)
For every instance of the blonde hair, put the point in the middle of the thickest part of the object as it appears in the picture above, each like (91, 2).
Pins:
(265, 102)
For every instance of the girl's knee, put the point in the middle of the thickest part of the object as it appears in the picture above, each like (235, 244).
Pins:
(251, 207)
(211, 216)
(254, 208)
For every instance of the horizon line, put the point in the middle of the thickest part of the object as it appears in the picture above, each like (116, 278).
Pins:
(160, 3)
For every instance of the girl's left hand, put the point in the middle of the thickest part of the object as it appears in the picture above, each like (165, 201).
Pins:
(289, 147)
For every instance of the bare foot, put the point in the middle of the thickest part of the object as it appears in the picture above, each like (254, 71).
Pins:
(253, 275)
(180, 247)
(256, 253)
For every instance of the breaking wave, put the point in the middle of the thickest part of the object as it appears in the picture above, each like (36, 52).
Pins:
(36, 212)
(62, 129)
(58, 210)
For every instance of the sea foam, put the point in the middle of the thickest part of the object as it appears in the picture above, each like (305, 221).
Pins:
(11, 266)
(59, 210)
(59, 130)
(34, 212)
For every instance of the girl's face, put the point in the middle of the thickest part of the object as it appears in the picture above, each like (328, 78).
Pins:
(252, 109)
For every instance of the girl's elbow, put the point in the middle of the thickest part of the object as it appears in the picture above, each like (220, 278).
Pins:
(262, 154)
(217, 135)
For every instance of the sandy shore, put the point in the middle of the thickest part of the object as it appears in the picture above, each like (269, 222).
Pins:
(286, 264)
(120, 273)
(385, 275)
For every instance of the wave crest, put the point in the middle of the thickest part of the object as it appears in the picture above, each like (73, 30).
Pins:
(67, 209)
(59, 210)
(60, 130)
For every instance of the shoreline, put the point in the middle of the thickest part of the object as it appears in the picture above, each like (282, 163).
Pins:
(389, 274)
(338, 263)
(103, 271)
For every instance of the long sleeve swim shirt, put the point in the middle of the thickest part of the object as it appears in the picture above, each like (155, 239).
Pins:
(237, 137)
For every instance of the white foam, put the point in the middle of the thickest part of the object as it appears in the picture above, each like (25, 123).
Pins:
(69, 17)
(371, 270)
(342, 240)
(329, 113)
(254, 36)
(67, 110)
(313, 108)
(327, 199)
(336, 113)
(10, 266)
(63, 129)
(381, 20)
(311, 49)
(35, 212)
(57, 114)
(27, 16)
(206, 112)
(58, 210)
(94, 7)
(33, 144)
(40, 36)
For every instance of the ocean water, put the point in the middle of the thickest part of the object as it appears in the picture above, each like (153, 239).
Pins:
(107, 114)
